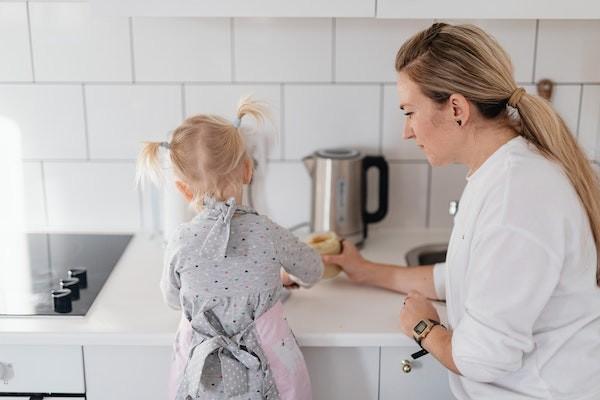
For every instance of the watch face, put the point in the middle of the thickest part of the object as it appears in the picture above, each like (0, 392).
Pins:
(420, 327)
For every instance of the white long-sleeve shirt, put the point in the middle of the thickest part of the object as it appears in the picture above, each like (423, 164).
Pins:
(520, 283)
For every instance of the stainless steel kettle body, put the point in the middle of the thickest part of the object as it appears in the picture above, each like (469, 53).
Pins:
(339, 192)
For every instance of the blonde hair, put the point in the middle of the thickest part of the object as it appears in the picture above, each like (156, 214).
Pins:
(207, 152)
(445, 59)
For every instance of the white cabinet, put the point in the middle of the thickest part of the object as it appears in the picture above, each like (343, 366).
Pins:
(127, 372)
(344, 373)
(466, 9)
(235, 8)
(425, 379)
(41, 369)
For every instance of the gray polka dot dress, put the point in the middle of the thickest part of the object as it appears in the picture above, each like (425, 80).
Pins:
(222, 269)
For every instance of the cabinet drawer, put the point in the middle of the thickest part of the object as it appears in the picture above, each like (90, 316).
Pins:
(42, 369)
(426, 379)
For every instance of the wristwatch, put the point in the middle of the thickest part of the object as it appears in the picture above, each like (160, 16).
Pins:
(422, 329)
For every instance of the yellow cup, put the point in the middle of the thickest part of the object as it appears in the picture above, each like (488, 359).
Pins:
(326, 243)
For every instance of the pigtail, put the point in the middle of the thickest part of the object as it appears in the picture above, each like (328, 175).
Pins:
(148, 166)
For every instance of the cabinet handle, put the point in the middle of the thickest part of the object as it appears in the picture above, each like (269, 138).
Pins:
(406, 366)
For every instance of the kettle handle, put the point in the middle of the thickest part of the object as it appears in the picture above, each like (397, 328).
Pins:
(382, 165)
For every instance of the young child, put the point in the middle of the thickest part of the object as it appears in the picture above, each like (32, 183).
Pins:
(222, 269)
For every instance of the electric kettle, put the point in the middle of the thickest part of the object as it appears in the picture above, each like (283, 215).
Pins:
(339, 192)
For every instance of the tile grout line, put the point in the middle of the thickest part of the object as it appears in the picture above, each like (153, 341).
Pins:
(581, 88)
(379, 376)
(232, 44)
(242, 83)
(132, 59)
(85, 123)
(30, 41)
(535, 49)
(381, 105)
(183, 102)
(282, 116)
(333, 48)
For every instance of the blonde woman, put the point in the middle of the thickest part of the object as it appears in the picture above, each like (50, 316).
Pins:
(222, 269)
(521, 274)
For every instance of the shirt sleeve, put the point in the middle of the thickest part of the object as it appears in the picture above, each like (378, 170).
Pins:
(510, 280)
(439, 280)
(170, 283)
(296, 257)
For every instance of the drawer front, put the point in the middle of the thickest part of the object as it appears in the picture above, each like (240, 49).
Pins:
(41, 369)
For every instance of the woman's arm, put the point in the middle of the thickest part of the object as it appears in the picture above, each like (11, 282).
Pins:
(390, 277)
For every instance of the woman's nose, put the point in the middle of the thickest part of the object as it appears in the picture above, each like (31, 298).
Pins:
(407, 132)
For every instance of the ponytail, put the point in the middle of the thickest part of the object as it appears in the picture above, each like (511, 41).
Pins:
(542, 126)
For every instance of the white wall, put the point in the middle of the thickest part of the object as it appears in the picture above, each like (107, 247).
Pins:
(84, 91)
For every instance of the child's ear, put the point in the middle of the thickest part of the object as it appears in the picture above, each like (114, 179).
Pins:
(184, 189)
(248, 171)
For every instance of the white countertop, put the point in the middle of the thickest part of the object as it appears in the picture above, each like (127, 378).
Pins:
(129, 309)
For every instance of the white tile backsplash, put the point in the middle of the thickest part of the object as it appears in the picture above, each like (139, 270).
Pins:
(447, 184)
(91, 88)
(49, 119)
(282, 50)
(182, 49)
(69, 44)
(568, 51)
(407, 206)
(223, 100)
(394, 146)
(95, 194)
(120, 117)
(283, 193)
(326, 116)
(14, 43)
(589, 125)
(365, 48)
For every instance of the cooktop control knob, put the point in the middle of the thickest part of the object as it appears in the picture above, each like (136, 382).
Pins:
(81, 274)
(62, 301)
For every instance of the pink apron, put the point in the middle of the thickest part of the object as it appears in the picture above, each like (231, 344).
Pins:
(278, 344)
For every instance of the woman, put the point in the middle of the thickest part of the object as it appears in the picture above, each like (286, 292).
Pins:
(521, 275)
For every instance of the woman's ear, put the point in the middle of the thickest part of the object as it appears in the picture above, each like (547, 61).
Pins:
(248, 171)
(184, 189)
(459, 108)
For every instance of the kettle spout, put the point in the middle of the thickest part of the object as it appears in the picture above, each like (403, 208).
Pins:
(309, 163)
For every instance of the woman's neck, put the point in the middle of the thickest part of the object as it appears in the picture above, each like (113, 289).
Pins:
(483, 144)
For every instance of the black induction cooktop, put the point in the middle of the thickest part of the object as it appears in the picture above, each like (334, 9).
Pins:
(57, 273)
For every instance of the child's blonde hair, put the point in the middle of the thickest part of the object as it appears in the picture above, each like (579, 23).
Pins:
(207, 152)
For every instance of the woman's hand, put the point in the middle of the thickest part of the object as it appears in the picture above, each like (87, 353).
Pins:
(350, 260)
(416, 307)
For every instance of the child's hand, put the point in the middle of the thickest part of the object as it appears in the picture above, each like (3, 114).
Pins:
(287, 281)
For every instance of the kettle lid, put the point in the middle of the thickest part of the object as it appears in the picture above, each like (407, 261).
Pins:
(338, 154)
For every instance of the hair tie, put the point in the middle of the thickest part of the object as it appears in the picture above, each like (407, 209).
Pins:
(237, 122)
(166, 145)
(515, 97)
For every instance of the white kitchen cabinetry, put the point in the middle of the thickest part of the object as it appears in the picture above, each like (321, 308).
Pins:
(344, 373)
(235, 8)
(127, 372)
(41, 369)
(424, 378)
(509, 9)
